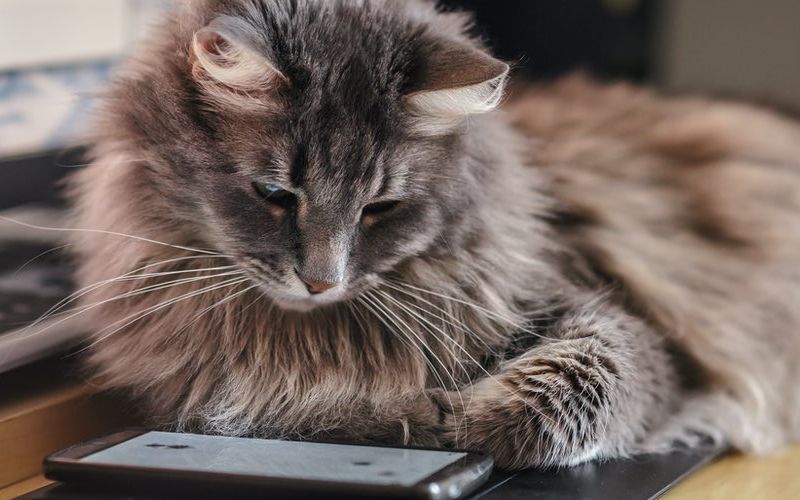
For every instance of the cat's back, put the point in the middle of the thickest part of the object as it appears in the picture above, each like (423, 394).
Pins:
(726, 174)
(697, 183)
(689, 207)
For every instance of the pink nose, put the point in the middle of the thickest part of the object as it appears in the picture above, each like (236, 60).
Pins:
(315, 287)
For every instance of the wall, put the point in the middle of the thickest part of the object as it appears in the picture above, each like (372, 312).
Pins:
(740, 47)
(55, 55)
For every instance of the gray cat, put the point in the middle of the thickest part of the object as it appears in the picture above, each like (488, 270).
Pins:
(303, 220)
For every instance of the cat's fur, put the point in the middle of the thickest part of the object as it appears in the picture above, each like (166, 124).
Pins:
(623, 277)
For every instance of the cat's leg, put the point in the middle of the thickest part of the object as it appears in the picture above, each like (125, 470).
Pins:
(412, 420)
(594, 388)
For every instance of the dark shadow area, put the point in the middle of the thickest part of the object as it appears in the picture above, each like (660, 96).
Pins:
(546, 39)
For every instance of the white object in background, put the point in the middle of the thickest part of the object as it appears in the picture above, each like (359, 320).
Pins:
(55, 55)
(46, 109)
(45, 32)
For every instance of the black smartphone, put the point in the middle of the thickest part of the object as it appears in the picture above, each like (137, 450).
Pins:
(194, 465)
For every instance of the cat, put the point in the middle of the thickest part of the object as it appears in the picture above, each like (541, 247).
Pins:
(308, 219)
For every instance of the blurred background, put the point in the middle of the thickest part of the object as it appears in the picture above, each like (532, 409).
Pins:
(55, 54)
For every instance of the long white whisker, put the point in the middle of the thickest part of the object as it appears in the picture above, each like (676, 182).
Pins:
(164, 285)
(153, 309)
(46, 252)
(89, 288)
(467, 303)
(357, 316)
(429, 326)
(494, 379)
(404, 338)
(499, 317)
(212, 307)
(433, 330)
(111, 233)
(400, 323)
(77, 295)
(407, 340)
(160, 286)
(380, 318)
(454, 321)
(389, 315)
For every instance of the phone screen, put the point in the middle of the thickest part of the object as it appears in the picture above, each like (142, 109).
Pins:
(276, 459)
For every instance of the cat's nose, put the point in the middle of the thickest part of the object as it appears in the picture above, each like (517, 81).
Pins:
(316, 287)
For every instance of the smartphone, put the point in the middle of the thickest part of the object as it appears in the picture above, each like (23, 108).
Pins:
(194, 465)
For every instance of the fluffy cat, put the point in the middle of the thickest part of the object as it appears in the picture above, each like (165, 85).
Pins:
(303, 220)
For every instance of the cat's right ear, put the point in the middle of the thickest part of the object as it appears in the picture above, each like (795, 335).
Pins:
(228, 61)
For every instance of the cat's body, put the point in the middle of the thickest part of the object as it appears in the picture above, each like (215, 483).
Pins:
(620, 275)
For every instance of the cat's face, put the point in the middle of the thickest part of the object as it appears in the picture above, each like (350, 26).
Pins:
(319, 209)
(338, 148)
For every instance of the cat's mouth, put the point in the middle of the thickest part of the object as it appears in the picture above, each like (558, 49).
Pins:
(292, 294)
(300, 304)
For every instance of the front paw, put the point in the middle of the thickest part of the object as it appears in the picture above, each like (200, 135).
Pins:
(409, 421)
(452, 415)
(490, 422)
(522, 418)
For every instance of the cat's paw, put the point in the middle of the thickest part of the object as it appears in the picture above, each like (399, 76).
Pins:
(451, 415)
(535, 414)
(406, 421)
(413, 421)
(495, 427)
(423, 423)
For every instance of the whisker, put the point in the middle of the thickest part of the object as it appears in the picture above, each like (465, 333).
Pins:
(399, 322)
(167, 284)
(430, 327)
(433, 330)
(433, 370)
(455, 323)
(380, 318)
(212, 307)
(357, 316)
(89, 288)
(510, 322)
(82, 309)
(153, 309)
(492, 376)
(111, 233)
(46, 252)
(459, 301)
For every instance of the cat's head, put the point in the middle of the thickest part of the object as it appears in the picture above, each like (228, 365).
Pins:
(327, 137)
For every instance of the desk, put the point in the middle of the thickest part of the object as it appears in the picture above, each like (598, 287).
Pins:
(69, 413)
(738, 477)
(731, 478)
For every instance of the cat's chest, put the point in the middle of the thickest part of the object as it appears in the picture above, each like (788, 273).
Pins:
(296, 390)
(328, 372)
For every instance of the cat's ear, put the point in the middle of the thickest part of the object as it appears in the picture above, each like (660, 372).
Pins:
(227, 55)
(453, 82)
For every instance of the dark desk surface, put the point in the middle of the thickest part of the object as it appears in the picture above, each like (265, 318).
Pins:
(638, 478)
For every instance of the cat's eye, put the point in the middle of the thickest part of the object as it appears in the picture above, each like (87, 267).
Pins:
(374, 210)
(274, 194)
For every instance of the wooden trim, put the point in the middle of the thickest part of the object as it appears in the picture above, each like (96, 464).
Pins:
(43, 410)
(744, 477)
(23, 487)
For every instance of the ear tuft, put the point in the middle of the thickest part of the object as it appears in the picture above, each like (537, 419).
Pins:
(455, 82)
(224, 54)
(462, 101)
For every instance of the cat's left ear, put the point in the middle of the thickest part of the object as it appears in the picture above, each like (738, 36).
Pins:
(453, 82)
